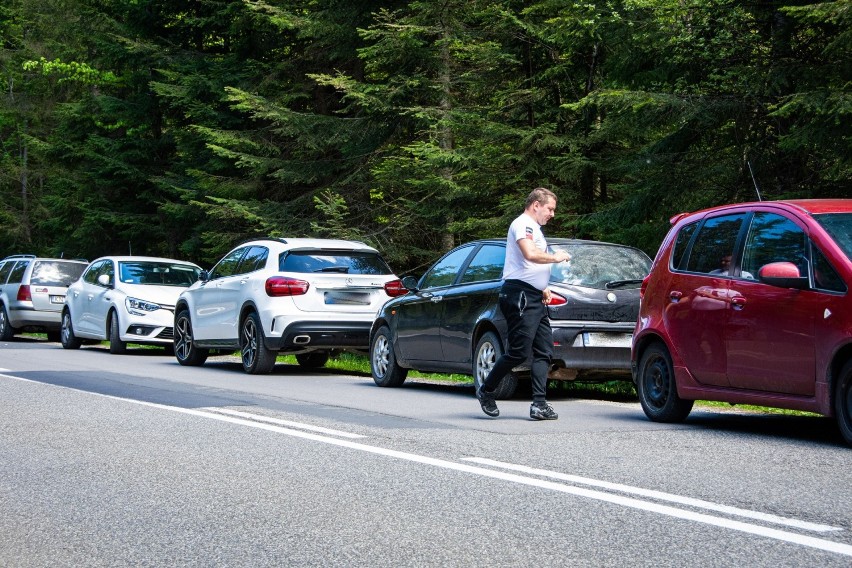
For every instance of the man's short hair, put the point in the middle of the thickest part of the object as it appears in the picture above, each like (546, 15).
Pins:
(541, 195)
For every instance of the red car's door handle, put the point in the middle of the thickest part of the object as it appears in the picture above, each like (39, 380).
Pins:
(738, 302)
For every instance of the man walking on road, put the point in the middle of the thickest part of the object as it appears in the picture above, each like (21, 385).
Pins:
(523, 299)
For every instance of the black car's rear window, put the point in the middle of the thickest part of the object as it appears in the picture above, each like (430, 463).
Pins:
(601, 266)
(56, 273)
(342, 262)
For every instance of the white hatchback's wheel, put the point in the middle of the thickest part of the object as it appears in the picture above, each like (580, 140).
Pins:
(66, 332)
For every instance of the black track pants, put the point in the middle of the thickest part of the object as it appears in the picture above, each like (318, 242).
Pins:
(529, 332)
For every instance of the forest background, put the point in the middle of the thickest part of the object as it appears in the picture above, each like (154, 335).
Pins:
(181, 128)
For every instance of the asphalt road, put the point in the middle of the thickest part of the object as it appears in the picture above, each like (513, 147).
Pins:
(133, 460)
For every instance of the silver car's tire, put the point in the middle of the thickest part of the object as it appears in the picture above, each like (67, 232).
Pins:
(6, 329)
(185, 349)
(489, 348)
(66, 332)
(256, 357)
(383, 366)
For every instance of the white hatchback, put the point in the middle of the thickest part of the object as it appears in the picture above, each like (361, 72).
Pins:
(301, 296)
(125, 299)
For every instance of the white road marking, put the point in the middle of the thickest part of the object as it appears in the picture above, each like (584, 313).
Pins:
(767, 532)
(279, 422)
(660, 496)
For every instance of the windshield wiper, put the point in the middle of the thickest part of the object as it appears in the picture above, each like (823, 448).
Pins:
(341, 269)
(620, 283)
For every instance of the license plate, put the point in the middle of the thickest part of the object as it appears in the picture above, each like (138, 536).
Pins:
(350, 298)
(598, 339)
(57, 299)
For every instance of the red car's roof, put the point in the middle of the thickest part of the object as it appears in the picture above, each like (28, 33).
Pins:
(811, 206)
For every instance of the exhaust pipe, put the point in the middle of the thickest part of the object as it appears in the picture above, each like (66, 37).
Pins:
(302, 339)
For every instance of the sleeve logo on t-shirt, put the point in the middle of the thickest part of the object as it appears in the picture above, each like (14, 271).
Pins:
(529, 233)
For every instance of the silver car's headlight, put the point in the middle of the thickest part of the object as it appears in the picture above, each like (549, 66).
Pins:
(140, 307)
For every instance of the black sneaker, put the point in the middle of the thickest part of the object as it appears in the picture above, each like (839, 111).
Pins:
(486, 401)
(541, 411)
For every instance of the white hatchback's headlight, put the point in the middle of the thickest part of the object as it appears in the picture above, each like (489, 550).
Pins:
(140, 307)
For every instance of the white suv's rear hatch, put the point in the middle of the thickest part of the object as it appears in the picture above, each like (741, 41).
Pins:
(341, 281)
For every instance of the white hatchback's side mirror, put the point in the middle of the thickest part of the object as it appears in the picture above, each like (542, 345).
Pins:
(104, 280)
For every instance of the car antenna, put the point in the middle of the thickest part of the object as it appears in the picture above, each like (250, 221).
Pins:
(130, 248)
(754, 181)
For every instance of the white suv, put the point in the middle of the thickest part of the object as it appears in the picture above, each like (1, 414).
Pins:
(301, 296)
(125, 299)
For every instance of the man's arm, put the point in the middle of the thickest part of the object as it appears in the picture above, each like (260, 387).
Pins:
(533, 254)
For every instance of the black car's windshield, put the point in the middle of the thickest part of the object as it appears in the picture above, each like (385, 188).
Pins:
(601, 266)
(157, 273)
(340, 262)
(839, 226)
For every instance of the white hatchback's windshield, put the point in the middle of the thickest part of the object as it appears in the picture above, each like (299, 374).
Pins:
(157, 273)
(839, 226)
(601, 266)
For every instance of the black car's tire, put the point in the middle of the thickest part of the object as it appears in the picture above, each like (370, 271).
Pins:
(66, 332)
(489, 348)
(312, 359)
(185, 350)
(116, 345)
(657, 388)
(256, 357)
(6, 329)
(383, 366)
(843, 402)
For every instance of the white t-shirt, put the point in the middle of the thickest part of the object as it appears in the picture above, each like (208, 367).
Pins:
(519, 268)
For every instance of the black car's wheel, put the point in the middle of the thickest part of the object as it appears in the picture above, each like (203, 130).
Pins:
(312, 359)
(66, 332)
(843, 401)
(386, 373)
(657, 388)
(116, 345)
(6, 329)
(186, 352)
(488, 350)
(257, 359)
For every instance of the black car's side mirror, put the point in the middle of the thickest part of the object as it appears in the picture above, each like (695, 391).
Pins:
(783, 275)
(203, 276)
(410, 283)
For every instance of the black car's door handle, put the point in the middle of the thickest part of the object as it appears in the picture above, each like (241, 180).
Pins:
(437, 299)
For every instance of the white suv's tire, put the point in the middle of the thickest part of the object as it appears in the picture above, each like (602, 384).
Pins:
(185, 350)
(256, 357)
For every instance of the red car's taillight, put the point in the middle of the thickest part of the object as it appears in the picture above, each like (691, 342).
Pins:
(283, 286)
(643, 287)
(556, 300)
(24, 294)
(395, 288)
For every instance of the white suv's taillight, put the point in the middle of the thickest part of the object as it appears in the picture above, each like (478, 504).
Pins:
(282, 286)
(395, 288)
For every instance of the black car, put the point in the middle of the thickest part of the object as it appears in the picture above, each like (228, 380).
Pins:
(450, 322)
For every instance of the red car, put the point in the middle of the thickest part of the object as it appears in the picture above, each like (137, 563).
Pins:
(750, 304)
